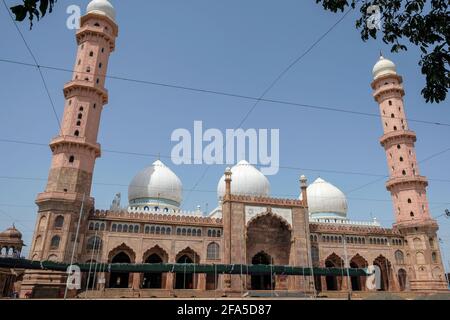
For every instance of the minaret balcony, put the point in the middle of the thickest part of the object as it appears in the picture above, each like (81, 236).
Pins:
(70, 197)
(83, 87)
(62, 142)
(409, 181)
(396, 137)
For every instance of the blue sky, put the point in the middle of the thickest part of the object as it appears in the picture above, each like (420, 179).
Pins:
(232, 46)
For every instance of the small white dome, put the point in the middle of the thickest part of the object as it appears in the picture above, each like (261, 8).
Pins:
(155, 184)
(382, 67)
(245, 180)
(102, 7)
(326, 201)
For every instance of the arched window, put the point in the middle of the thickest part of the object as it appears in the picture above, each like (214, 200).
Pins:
(78, 123)
(54, 244)
(178, 232)
(119, 228)
(94, 243)
(214, 233)
(399, 257)
(76, 133)
(91, 54)
(91, 226)
(189, 232)
(168, 230)
(71, 159)
(147, 229)
(97, 226)
(114, 228)
(434, 257)
(209, 233)
(152, 229)
(194, 232)
(130, 228)
(158, 230)
(136, 229)
(59, 222)
(390, 102)
(97, 24)
(102, 227)
(212, 252)
(100, 65)
(80, 116)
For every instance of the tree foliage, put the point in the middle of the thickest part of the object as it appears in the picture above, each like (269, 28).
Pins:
(33, 9)
(424, 23)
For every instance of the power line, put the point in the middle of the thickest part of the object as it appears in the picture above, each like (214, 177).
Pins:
(239, 96)
(36, 62)
(294, 168)
(278, 78)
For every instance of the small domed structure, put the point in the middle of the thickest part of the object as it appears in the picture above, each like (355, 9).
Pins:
(11, 233)
(11, 242)
(326, 201)
(103, 7)
(155, 187)
(383, 67)
(245, 180)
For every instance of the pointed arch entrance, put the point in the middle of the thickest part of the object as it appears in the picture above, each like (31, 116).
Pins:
(121, 254)
(402, 279)
(154, 280)
(385, 269)
(120, 279)
(358, 282)
(334, 283)
(268, 241)
(186, 280)
(262, 281)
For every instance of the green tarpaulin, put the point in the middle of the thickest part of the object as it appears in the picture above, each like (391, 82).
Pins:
(187, 268)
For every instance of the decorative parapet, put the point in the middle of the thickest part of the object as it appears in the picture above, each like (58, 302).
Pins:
(179, 217)
(345, 222)
(268, 201)
(351, 227)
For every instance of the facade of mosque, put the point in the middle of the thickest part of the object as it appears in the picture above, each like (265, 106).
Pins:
(247, 227)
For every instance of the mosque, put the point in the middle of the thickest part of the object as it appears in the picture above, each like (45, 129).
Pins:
(248, 226)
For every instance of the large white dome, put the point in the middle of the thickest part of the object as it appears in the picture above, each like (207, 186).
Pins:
(245, 180)
(382, 67)
(102, 7)
(154, 185)
(326, 201)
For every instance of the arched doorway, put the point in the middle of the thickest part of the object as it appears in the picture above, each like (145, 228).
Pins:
(402, 279)
(268, 241)
(120, 279)
(185, 279)
(153, 280)
(358, 282)
(385, 270)
(262, 281)
(333, 282)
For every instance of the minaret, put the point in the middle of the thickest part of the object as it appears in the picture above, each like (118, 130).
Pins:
(406, 185)
(75, 149)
